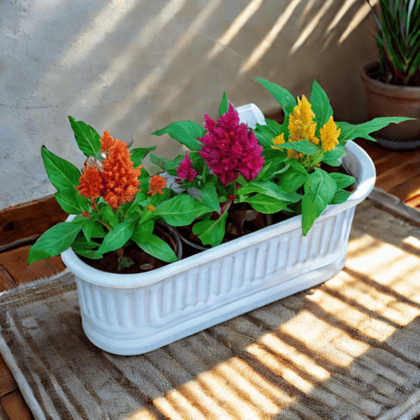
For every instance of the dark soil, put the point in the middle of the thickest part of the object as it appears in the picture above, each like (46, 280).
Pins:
(392, 78)
(142, 262)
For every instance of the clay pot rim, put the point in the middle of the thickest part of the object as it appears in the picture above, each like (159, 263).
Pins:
(388, 89)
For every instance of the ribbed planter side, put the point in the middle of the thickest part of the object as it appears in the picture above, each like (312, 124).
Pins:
(386, 100)
(286, 263)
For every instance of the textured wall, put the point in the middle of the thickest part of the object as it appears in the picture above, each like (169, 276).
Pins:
(133, 66)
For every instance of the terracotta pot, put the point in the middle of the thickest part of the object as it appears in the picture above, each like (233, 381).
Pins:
(386, 100)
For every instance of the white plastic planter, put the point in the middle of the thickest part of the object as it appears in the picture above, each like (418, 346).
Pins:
(130, 314)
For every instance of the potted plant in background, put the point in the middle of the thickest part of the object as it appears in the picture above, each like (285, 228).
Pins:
(393, 84)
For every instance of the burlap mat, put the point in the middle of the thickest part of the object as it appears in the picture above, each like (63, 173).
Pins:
(348, 349)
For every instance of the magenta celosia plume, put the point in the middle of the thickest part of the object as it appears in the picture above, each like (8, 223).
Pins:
(185, 170)
(231, 148)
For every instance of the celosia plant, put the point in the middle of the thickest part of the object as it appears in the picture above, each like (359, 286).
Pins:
(225, 157)
(231, 149)
(307, 143)
(115, 200)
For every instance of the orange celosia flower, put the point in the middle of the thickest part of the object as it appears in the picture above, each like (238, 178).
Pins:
(107, 142)
(91, 183)
(115, 179)
(150, 208)
(156, 183)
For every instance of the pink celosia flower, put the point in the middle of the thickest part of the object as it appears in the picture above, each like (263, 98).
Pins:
(231, 148)
(185, 170)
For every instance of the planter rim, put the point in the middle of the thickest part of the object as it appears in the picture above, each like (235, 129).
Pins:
(365, 182)
(380, 86)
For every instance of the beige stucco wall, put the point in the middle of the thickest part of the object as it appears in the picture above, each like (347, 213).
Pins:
(133, 66)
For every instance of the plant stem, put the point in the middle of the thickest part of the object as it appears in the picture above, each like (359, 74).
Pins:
(106, 224)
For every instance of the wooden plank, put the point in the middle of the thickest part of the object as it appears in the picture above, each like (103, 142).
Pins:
(407, 189)
(414, 201)
(373, 149)
(18, 222)
(15, 262)
(3, 414)
(6, 280)
(392, 178)
(7, 382)
(15, 406)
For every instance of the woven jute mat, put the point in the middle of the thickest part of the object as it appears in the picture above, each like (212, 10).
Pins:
(347, 349)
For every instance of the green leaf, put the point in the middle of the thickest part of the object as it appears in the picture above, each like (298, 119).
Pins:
(88, 228)
(97, 231)
(133, 209)
(167, 165)
(273, 154)
(302, 146)
(266, 204)
(209, 197)
(211, 232)
(139, 153)
(334, 163)
(293, 178)
(198, 162)
(158, 248)
(269, 189)
(181, 210)
(108, 214)
(331, 157)
(144, 174)
(351, 132)
(274, 126)
(143, 231)
(264, 136)
(342, 180)
(320, 105)
(117, 238)
(68, 202)
(54, 241)
(340, 196)
(186, 132)
(319, 191)
(62, 174)
(266, 171)
(87, 138)
(88, 253)
(81, 243)
(282, 96)
(224, 105)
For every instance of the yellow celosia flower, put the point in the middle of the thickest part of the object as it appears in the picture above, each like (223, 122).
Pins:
(150, 208)
(301, 124)
(292, 154)
(278, 140)
(329, 135)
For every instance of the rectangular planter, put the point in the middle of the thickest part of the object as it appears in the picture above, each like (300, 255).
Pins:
(130, 314)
